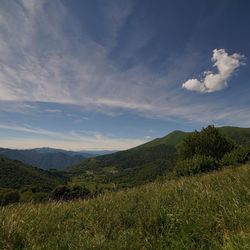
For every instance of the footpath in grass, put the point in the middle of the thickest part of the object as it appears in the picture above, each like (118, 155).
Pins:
(211, 211)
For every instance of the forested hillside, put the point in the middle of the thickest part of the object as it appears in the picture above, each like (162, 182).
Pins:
(15, 175)
(145, 162)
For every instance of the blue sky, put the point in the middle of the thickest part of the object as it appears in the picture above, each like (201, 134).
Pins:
(93, 74)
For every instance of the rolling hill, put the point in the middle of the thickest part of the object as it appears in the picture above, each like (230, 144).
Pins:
(15, 175)
(145, 162)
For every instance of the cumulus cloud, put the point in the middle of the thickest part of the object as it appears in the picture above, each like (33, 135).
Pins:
(226, 65)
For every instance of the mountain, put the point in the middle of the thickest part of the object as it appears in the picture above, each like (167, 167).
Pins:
(145, 162)
(97, 152)
(239, 135)
(48, 158)
(15, 174)
(84, 153)
(47, 150)
(171, 139)
(134, 166)
(160, 148)
(44, 160)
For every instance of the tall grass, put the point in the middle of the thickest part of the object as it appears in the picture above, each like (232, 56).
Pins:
(203, 212)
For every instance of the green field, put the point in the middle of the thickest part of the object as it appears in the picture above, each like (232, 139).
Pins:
(211, 211)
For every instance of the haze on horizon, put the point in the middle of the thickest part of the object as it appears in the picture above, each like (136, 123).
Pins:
(94, 75)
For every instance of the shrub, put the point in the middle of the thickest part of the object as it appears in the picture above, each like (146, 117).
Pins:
(66, 193)
(79, 192)
(29, 196)
(198, 164)
(60, 193)
(8, 197)
(238, 156)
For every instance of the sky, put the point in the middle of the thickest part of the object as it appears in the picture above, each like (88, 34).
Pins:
(113, 74)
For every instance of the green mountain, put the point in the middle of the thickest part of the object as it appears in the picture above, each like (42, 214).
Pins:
(239, 135)
(145, 162)
(15, 175)
(171, 139)
(131, 167)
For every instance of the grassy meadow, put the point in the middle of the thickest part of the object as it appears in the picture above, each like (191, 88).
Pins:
(211, 211)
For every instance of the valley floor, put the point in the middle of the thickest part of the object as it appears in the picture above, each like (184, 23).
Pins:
(211, 211)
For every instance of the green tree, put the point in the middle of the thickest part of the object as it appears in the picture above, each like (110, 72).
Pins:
(202, 151)
(207, 142)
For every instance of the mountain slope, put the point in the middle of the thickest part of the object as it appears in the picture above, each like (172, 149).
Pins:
(130, 167)
(171, 139)
(148, 161)
(160, 148)
(15, 174)
(239, 135)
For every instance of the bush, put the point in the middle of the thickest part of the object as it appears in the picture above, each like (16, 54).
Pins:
(8, 197)
(60, 193)
(198, 164)
(238, 156)
(79, 192)
(29, 196)
(66, 193)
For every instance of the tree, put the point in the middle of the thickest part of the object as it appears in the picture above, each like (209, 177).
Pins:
(207, 142)
(66, 193)
(61, 192)
(202, 151)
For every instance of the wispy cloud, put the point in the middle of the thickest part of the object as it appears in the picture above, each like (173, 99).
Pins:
(67, 140)
(40, 62)
(226, 65)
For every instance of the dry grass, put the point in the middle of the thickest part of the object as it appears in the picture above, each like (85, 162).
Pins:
(203, 212)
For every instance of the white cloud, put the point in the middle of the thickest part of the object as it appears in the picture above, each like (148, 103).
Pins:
(226, 65)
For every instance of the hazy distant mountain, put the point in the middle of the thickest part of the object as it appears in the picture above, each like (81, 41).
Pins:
(97, 152)
(47, 158)
(47, 150)
(85, 153)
